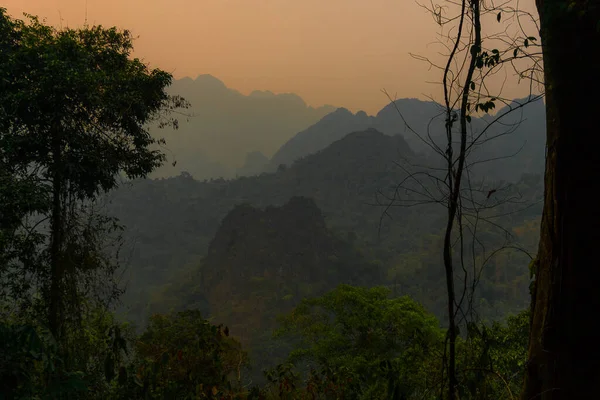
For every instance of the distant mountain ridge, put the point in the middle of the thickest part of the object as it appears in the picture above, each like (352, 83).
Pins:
(231, 134)
(330, 128)
(519, 151)
(226, 125)
(341, 122)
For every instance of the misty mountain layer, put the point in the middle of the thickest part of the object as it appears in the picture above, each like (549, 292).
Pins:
(507, 148)
(224, 125)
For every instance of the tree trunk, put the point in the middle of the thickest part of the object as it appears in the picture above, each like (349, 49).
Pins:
(56, 275)
(455, 183)
(564, 349)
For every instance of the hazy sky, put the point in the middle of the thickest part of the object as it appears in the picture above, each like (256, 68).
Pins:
(339, 52)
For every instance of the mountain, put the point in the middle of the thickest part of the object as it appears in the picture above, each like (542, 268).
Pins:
(330, 128)
(518, 139)
(260, 264)
(229, 134)
(421, 116)
(176, 216)
(338, 124)
(271, 258)
(246, 249)
(224, 125)
(515, 144)
(171, 222)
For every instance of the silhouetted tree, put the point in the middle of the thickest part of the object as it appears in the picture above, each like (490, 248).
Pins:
(74, 110)
(472, 56)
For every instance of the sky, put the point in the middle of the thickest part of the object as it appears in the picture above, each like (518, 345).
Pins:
(337, 52)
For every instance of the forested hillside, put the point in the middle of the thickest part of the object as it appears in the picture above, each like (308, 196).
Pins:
(203, 244)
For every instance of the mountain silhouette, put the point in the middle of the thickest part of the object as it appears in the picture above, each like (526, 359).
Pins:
(224, 125)
(513, 145)
(330, 128)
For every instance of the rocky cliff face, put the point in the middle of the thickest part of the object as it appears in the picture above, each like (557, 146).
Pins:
(262, 262)
(289, 244)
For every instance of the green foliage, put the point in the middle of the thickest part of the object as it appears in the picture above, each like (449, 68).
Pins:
(81, 85)
(183, 356)
(74, 109)
(377, 344)
(404, 258)
(341, 364)
(23, 354)
(492, 359)
(34, 366)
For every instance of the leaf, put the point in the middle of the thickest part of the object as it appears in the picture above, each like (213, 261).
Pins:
(468, 118)
(526, 43)
(515, 52)
(531, 38)
(472, 85)
(499, 16)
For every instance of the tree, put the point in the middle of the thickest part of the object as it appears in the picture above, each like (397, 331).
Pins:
(372, 345)
(74, 112)
(564, 352)
(187, 357)
(473, 53)
(492, 360)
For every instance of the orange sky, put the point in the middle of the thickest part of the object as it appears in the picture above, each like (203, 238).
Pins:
(339, 52)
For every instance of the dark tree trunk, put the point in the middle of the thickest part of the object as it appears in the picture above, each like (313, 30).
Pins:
(564, 348)
(455, 183)
(56, 278)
